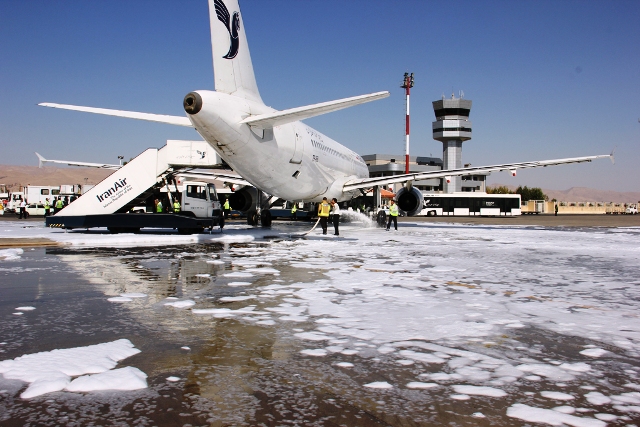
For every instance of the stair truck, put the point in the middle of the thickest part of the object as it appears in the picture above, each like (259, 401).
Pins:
(110, 203)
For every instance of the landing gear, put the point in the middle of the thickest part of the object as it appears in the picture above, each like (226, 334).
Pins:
(265, 218)
(252, 218)
(382, 218)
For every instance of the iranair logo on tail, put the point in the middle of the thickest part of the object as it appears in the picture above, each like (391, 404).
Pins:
(232, 24)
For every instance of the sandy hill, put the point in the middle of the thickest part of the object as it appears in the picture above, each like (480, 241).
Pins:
(583, 194)
(15, 177)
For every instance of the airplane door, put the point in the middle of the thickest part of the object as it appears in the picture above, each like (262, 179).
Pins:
(299, 147)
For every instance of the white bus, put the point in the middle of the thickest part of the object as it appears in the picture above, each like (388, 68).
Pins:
(471, 204)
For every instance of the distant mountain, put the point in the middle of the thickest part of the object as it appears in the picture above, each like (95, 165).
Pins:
(583, 194)
(15, 177)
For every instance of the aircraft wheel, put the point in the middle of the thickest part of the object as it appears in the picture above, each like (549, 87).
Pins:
(252, 218)
(221, 222)
(265, 218)
(382, 218)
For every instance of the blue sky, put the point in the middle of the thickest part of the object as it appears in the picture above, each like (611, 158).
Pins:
(548, 79)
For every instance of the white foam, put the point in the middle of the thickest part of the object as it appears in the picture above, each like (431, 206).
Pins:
(238, 298)
(421, 385)
(565, 409)
(12, 254)
(314, 352)
(181, 304)
(460, 397)
(128, 378)
(236, 284)
(556, 395)
(119, 299)
(597, 398)
(479, 390)
(173, 379)
(549, 416)
(312, 336)
(52, 370)
(594, 352)
(345, 364)
(25, 308)
(379, 385)
(238, 274)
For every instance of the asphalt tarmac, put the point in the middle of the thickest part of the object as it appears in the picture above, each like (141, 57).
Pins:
(542, 220)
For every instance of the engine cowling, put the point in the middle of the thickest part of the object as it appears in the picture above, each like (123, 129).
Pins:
(411, 201)
(243, 200)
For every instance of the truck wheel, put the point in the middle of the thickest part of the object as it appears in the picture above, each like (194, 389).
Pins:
(265, 218)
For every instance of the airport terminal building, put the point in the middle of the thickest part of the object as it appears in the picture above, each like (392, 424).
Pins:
(460, 195)
(451, 127)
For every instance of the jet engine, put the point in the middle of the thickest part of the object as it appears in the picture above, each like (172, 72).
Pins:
(410, 201)
(244, 199)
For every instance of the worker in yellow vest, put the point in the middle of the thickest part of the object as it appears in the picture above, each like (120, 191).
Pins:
(58, 206)
(294, 209)
(226, 208)
(324, 209)
(176, 206)
(158, 206)
(47, 207)
(393, 215)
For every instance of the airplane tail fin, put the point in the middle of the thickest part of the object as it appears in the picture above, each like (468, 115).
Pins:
(232, 67)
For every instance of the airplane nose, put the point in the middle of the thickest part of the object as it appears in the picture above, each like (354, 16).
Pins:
(192, 103)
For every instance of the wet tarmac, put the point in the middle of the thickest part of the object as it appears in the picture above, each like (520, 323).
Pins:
(237, 370)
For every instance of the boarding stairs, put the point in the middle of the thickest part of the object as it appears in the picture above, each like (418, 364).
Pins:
(134, 182)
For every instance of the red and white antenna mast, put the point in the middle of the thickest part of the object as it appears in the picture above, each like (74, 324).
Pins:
(407, 84)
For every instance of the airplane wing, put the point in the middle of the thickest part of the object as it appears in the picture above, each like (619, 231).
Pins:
(42, 160)
(160, 118)
(227, 178)
(269, 120)
(512, 167)
(197, 174)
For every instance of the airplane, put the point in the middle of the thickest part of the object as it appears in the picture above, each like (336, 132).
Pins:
(274, 150)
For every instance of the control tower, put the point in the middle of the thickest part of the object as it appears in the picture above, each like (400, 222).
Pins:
(452, 127)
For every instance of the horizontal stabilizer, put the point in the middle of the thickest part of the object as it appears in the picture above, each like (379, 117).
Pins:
(160, 118)
(267, 121)
(385, 180)
(42, 160)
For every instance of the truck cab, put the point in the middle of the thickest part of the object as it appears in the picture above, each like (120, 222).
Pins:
(200, 198)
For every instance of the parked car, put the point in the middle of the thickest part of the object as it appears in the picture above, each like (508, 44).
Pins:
(36, 209)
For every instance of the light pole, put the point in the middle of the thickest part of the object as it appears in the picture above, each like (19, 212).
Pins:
(407, 84)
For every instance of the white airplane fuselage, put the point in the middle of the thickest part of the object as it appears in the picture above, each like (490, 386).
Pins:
(292, 161)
